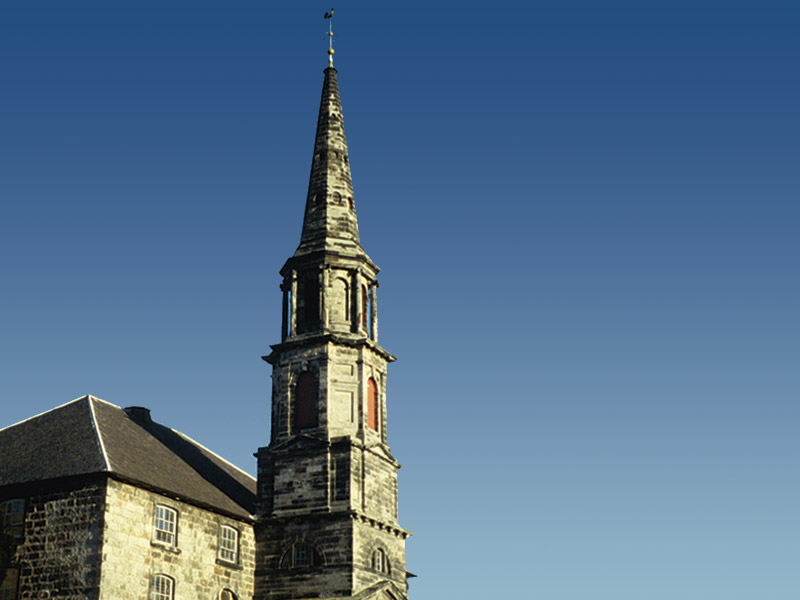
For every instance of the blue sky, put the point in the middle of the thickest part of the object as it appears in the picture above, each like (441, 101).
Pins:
(587, 219)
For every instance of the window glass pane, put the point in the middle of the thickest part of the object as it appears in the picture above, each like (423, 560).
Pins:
(162, 588)
(379, 561)
(300, 555)
(13, 516)
(228, 544)
(166, 521)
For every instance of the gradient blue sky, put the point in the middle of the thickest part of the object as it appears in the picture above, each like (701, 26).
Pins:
(587, 218)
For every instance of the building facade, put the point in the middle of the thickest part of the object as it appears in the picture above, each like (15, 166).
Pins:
(107, 504)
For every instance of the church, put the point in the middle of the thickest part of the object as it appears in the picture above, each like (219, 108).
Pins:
(99, 502)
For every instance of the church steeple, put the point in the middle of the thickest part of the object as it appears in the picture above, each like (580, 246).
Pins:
(327, 518)
(330, 221)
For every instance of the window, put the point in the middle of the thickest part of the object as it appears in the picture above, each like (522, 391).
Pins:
(372, 404)
(289, 328)
(371, 315)
(228, 544)
(308, 303)
(301, 554)
(305, 402)
(300, 557)
(166, 525)
(227, 595)
(9, 586)
(364, 308)
(163, 588)
(340, 476)
(379, 561)
(12, 516)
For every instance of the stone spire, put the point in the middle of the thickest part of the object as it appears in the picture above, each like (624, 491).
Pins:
(330, 218)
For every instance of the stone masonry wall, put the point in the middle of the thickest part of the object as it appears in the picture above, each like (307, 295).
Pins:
(369, 537)
(344, 394)
(301, 479)
(59, 557)
(131, 557)
(330, 534)
(378, 482)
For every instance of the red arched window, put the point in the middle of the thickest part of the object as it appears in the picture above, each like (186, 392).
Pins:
(305, 403)
(372, 405)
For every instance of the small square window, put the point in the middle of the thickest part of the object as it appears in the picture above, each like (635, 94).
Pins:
(166, 525)
(228, 544)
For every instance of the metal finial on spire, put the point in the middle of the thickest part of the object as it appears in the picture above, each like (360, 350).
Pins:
(329, 16)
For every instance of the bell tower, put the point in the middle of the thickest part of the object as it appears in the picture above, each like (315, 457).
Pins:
(327, 482)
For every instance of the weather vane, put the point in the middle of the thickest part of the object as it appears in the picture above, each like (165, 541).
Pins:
(329, 16)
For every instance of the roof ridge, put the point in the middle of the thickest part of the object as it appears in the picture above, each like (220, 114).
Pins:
(49, 410)
(105, 401)
(98, 433)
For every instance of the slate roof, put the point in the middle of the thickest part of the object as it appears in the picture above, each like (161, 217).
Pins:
(89, 435)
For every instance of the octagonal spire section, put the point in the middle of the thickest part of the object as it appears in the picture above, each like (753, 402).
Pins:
(330, 219)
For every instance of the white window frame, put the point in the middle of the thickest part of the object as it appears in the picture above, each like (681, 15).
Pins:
(228, 544)
(163, 587)
(380, 561)
(165, 525)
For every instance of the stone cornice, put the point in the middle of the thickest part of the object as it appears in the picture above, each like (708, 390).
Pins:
(329, 256)
(392, 528)
(324, 338)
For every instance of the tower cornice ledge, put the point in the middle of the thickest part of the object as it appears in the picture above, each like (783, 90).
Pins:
(309, 442)
(392, 528)
(327, 257)
(352, 342)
